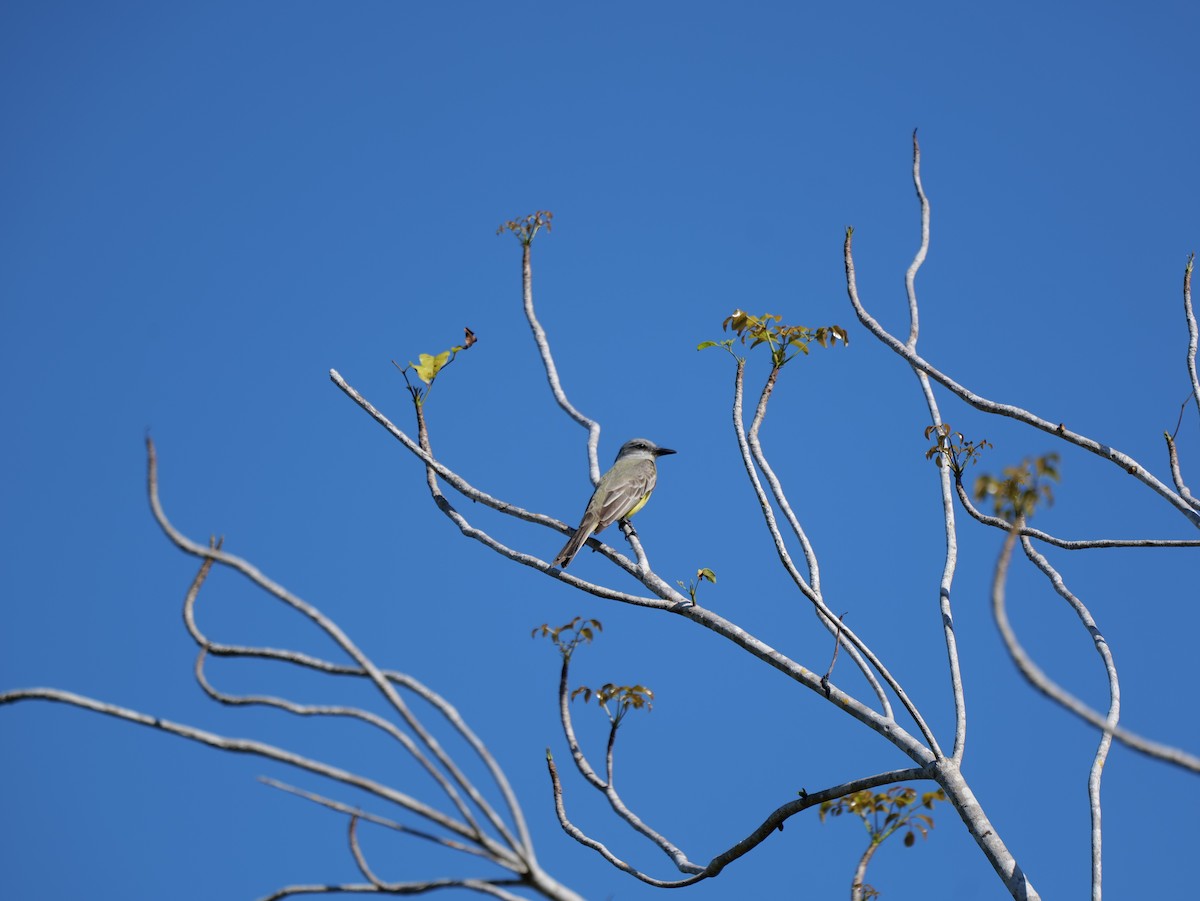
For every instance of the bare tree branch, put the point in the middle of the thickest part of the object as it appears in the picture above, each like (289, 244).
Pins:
(351, 888)
(1048, 687)
(1114, 708)
(606, 787)
(1070, 545)
(856, 647)
(1177, 474)
(667, 595)
(951, 559)
(773, 823)
(342, 711)
(486, 887)
(242, 746)
(1118, 458)
(543, 346)
(1193, 331)
(350, 810)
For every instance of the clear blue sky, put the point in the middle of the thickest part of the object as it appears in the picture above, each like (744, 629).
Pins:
(205, 207)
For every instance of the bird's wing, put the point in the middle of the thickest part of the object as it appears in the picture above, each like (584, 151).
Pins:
(635, 480)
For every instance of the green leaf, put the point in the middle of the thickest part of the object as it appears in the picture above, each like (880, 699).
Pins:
(429, 366)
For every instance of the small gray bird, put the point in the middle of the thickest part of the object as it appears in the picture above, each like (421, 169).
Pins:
(622, 491)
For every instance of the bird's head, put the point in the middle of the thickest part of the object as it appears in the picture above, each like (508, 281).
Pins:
(642, 447)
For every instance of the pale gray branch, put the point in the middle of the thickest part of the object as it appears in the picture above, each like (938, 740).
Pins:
(576, 833)
(421, 887)
(213, 553)
(1055, 692)
(752, 454)
(1193, 331)
(773, 823)
(350, 810)
(1076, 545)
(950, 563)
(1177, 473)
(667, 595)
(244, 746)
(350, 713)
(607, 788)
(543, 346)
(846, 636)
(1114, 708)
(1123, 460)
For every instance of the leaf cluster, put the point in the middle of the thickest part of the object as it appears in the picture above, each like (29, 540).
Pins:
(702, 575)
(1021, 489)
(430, 365)
(570, 635)
(785, 341)
(527, 227)
(626, 698)
(952, 449)
(885, 813)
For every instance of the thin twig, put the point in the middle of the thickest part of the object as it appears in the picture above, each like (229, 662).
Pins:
(1177, 473)
(751, 449)
(326, 710)
(326, 625)
(417, 888)
(824, 614)
(837, 644)
(1193, 330)
(606, 788)
(667, 596)
(1070, 545)
(543, 346)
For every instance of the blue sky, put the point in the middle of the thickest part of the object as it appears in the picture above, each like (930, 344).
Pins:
(206, 207)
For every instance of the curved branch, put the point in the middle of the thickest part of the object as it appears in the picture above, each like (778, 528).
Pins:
(1114, 708)
(1026, 531)
(1193, 331)
(576, 833)
(1177, 474)
(330, 628)
(372, 719)
(1052, 690)
(444, 707)
(773, 823)
(619, 807)
(347, 809)
(346, 888)
(543, 346)
(245, 746)
(752, 453)
(1118, 458)
(420, 888)
(950, 563)
(847, 638)
(676, 604)
(666, 595)
(910, 276)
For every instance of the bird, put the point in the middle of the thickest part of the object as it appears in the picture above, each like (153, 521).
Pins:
(622, 491)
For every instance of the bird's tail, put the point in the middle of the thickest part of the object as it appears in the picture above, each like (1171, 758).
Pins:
(564, 557)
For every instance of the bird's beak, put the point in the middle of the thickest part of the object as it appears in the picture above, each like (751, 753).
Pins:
(663, 451)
